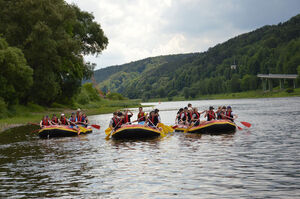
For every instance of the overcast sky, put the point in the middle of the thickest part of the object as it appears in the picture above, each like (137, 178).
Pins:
(137, 29)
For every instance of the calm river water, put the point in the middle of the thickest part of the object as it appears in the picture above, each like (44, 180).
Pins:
(260, 162)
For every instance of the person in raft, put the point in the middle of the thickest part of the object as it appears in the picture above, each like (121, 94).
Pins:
(78, 113)
(156, 111)
(142, 116)
(73, 120)
(196, 117)
(184, 116)
(210, 114)
(45, 121)
(82, 119)
(54, 120)
(152, 120)
(177, 119)
(63, 120)
(127, 117)
(115, 121)
(221, 113)
(229, 115)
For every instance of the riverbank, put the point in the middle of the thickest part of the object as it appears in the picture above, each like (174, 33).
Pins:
(22, 115)
(241, 95)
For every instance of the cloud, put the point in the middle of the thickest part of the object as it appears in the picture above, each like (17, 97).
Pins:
(137, 29)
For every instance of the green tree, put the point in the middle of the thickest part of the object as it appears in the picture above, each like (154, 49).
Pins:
(53, 36)
(15, 74)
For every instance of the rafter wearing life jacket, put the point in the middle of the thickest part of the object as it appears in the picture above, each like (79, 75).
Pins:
(73, 119)
(229, 115)
(63, 121)
(211, 115)
(55, 120)
(197, 118)
(141, 117)
(184, 117)
(45, 122)
(221, 115)
(126, 119)
(116, 123)
(154, 120)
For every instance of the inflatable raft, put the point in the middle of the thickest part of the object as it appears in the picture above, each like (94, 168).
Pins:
(62, 131)
(214, 127)
(135, 132)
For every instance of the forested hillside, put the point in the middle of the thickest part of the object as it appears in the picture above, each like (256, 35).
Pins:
(270, 49)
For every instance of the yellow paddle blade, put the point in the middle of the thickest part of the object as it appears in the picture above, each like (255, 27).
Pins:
(107, 131)
(166, 129)
(82, 129)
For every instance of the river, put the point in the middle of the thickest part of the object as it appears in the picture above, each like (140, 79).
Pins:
(260, 162)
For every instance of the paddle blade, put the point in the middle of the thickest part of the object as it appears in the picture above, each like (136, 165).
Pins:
(247, 124)
(240, 128)
(175, 126)
(107, 137)
(96, 126)
(107, 131)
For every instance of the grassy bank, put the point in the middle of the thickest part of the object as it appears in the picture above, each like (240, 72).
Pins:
(248, 94)
(33, 113)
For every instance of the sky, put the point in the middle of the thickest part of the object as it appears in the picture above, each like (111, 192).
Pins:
(138, 29)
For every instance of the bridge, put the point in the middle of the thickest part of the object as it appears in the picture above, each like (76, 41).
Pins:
(267, 78)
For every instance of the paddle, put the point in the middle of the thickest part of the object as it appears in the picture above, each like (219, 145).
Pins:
(166, 128)
(187, 129)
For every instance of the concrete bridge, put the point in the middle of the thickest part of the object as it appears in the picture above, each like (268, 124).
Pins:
(267, 78)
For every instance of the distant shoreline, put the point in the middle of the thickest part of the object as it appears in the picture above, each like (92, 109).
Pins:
(242, 95)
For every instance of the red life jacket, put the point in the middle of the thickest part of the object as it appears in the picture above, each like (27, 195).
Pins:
(125, 120)
(190, 116)
(55, 120)
(63, 121)
(116, 122)
(73, 119)
(184, 117)
(141, 117)
(211, 115)
(45, 122)
(154, 120)
(197, 115)
(229, 115)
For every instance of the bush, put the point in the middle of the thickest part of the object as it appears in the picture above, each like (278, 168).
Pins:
(3, 109)
(289, 90)
(115, 96)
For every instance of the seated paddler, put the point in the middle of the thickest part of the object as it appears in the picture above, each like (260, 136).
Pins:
(45, 121)
(115, 122)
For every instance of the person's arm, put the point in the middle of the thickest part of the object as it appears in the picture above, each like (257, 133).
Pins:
(110, 124)
(41, 124)
(235, 116)
(130, 112)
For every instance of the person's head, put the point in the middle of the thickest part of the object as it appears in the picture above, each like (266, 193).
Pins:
(156, 111)
(189, 105)
(115, 114)
(229, 108)
(120, 114)
(190, 109)
(224, 108)
(62, 115)
(152, 113)
(140, 109)
(73, 114)
(45, 117)
(54, 115)
(220, 107)
(180, 110)
(185, 109)
(195, 109)
(84, 115)
(211, 108)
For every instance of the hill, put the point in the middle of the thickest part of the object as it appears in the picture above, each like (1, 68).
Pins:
(270, 49)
